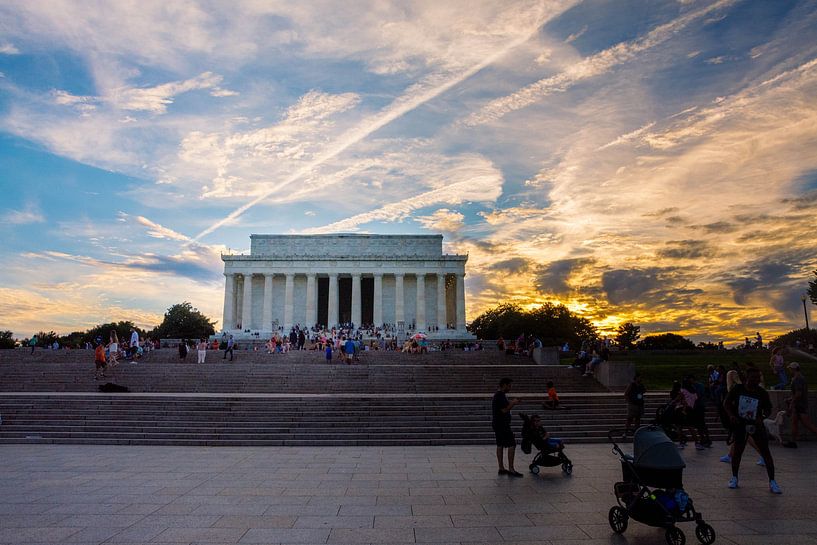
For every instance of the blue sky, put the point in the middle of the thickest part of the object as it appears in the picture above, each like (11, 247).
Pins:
(650, 161)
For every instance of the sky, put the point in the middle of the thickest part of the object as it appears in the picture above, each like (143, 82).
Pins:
(651, 161)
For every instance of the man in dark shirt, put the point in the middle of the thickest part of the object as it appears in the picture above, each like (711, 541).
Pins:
(746, 406)
(798, 404)
(634, 394)
(501, 423)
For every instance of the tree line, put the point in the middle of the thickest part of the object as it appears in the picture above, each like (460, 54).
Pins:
(181, 321)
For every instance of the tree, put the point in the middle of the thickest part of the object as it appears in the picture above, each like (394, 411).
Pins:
(627, 334)
(47, 339)
(7, 339)
(182, 321)
(123, 330)
(552, 324)
(665, 341)
(812, 289)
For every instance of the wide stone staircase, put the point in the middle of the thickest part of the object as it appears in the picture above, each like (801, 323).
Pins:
(292, 399)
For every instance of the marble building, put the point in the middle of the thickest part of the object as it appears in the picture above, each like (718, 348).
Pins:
(402, 280)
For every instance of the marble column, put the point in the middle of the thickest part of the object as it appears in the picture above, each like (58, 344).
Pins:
(246, 305)
(442, 324)
(289, 308)
(311, 300)
(399, 299)
(377, 303)
(460, 302)
(421, 302)
(266, 324)
(356, 303)
(333, 301)
(229, 302)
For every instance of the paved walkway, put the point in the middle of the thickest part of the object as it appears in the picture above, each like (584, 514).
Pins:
(101, 494)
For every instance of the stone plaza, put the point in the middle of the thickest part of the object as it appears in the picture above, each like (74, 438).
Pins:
(401, 280)
(92, 495)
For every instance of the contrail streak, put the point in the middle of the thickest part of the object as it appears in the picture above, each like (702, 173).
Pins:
(401, 106)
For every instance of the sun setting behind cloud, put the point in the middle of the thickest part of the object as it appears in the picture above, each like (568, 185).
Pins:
(657, 165)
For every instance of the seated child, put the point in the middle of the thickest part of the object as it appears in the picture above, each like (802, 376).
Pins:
(552, 401)
(541, 439)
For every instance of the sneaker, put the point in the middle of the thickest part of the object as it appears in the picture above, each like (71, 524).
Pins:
(502, 472)
(790, 444)
(699, 446)
(774, 488)
(726, 459)
(761, 462)
(514, 473)
(733, 482)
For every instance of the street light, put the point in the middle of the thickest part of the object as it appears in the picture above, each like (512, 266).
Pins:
(805, 311)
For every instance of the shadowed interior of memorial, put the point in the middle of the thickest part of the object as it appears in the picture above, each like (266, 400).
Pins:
(403, 282)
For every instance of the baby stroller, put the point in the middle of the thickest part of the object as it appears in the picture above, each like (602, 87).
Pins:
(549, 455)
(651, 490)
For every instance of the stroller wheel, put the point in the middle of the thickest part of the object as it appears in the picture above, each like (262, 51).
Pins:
(618, 519)
(705, 533)
(534, 469)
(675, 536)
(567, 467)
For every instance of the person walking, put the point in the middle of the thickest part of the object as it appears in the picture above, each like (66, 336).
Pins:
(229, 348)
(634, 394)
(183, 350)
(501, 424)
(747, 405)
(202, 350)
(798, 406)
(33, 343)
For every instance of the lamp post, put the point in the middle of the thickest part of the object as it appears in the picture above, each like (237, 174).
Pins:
(805, 311)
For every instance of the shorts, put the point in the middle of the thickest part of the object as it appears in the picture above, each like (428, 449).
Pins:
(504, 436)
(635, 411)
(740, 435)
(100, 364)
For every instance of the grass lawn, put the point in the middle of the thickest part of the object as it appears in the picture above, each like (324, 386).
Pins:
(659, 368)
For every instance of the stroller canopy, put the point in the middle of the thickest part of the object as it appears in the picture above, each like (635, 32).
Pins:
(652, 449)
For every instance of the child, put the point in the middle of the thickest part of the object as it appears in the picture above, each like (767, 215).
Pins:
(113, 349)
(328, 352)
(552, 402)
(99, 361)
(541, 439)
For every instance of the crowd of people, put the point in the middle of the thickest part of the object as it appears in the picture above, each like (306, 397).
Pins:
(738, 394)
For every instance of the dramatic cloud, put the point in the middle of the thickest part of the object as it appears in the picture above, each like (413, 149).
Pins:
(653, 165)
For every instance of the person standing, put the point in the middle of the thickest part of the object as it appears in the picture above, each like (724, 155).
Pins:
(798, 405)
(99, 361)
(501, 424)
(229, 348)
(202, 350)
(634, 394)
(113, 349)
(134, 343)
(778, 366)
(183, 350)
(747, 405)
(33, 343)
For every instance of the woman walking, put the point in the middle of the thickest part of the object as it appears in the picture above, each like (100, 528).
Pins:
(202, 349)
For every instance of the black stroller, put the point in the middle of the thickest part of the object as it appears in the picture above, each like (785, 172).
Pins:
(549, 455)
(651, 490)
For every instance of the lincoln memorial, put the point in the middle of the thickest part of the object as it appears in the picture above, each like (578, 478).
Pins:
(404, 281)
